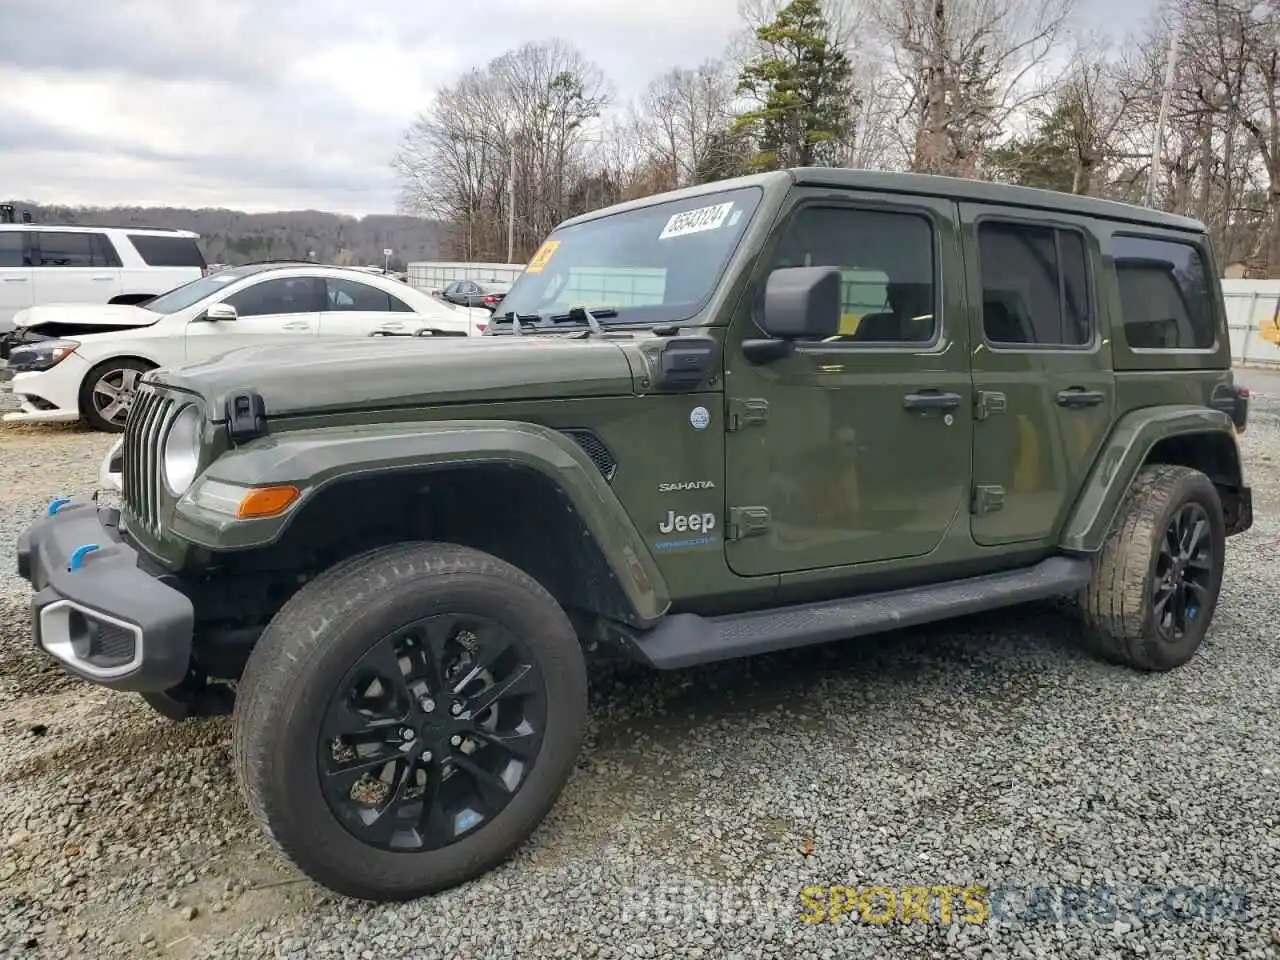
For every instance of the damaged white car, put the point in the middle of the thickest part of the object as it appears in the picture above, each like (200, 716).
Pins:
(82, 361)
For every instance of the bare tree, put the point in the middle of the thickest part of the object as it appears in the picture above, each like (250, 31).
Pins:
(511, 134)
(966, 68)
(680, 114)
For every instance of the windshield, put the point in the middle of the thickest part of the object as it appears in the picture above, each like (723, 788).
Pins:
(655, 264)
(179, 298)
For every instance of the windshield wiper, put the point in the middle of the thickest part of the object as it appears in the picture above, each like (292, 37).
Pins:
(589, 317)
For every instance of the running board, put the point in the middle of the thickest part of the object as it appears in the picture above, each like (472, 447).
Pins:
(686, 639)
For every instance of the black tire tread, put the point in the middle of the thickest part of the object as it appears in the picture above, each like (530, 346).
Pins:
(1115, 603)
(285, 647)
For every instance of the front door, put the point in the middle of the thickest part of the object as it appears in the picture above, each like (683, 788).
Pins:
(856, 448)
(1043, 380)
(278, 310)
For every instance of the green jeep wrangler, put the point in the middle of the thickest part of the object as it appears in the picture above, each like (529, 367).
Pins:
(756, 414)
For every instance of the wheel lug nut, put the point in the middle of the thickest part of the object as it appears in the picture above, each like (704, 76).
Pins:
(406, 733)
(426, 756)
(456, 709)
(456, 740)
(426, 704)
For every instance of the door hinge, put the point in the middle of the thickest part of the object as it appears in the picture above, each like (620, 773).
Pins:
(986, 403)
(745, 412)
(746, 522)
(987, 498)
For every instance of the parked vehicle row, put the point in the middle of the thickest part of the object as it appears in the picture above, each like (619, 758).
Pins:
(72, 264)
(82, 361)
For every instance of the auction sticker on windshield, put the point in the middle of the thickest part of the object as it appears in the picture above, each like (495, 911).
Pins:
(542, 257)
(696, 221)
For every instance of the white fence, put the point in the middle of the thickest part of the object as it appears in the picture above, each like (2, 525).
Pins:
(1253, 318)
(428, 275)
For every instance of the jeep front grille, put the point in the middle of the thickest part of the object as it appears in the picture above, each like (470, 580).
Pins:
(143, 430)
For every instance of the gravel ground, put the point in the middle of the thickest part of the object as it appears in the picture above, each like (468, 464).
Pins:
(990, 752)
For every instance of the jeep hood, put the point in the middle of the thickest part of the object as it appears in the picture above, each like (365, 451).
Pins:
(380, 372)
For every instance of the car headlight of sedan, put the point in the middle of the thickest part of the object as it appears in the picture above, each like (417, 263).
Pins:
(42, 355)
(182, 451)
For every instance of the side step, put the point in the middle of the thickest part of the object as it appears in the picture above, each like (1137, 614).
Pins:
(686, 639)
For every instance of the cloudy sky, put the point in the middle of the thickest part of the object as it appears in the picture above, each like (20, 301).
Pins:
(287, 104)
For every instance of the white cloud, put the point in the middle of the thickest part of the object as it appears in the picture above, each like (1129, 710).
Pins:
(277, 105)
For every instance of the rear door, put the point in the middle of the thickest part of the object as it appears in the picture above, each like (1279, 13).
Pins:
(74, 266)
(275, 310)
(1044, 387)
(15, 276)
(355, 309)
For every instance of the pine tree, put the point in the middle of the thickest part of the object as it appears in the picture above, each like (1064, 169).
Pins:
(801, 82)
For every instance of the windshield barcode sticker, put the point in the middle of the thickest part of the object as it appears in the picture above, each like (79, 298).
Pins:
(696, 221)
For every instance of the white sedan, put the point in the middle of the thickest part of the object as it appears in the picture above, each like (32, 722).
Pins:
(82, 361)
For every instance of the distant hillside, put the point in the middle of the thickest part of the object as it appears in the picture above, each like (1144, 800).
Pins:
(229, 236)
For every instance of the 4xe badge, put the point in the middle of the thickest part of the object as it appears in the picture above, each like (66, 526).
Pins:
(687, 522)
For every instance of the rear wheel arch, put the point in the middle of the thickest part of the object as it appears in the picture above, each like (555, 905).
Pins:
(1189, 436)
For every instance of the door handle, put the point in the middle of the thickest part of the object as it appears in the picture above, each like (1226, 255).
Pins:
(104, 278)
(1080, 397)
(15, 279)
(931, 401)
(297, 325)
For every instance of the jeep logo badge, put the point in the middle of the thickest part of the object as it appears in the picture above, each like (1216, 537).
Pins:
(681, 523)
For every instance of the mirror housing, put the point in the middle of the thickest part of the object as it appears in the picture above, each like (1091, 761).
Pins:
(219, 312)
(802, 303)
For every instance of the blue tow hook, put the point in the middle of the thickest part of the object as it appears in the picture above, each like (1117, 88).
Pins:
(78, 555)
(57, 504)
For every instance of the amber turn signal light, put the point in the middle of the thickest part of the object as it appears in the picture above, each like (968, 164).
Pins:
(267, 501)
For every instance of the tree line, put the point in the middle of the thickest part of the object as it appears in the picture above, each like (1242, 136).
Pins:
(232, 236)
(1017, 91)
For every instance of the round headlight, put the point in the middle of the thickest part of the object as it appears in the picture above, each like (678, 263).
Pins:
(182, 451)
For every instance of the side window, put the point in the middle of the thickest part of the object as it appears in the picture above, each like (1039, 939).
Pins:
(887, 262)
(159, 251)
(349, 295)
(1035, 289)
(281, 295)
(104, 254)
(398, 305)
(64, 248)
(1164, 294)
(11, 252)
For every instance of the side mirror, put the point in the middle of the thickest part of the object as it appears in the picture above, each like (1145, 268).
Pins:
(220, 311)
(802, 303)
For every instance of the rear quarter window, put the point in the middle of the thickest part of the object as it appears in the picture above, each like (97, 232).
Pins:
(1165, 294)
(167, 251)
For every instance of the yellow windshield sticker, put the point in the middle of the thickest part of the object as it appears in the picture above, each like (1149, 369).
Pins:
(542, 257)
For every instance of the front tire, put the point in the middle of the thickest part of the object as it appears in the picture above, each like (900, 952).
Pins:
(108, 390)
(1156, 584)
(408, 718)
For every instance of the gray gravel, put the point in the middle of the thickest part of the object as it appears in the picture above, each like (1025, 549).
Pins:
(990, 752)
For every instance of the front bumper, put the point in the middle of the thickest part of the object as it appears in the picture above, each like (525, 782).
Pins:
(96, 611)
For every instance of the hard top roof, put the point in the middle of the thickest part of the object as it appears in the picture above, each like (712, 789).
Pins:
(934, 185)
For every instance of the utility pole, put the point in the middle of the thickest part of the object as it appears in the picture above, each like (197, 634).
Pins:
(1157, 147)
(511, 206)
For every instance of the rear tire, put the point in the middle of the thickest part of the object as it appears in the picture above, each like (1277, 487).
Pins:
(328, 680)
(108, 391)
(1155, 587)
